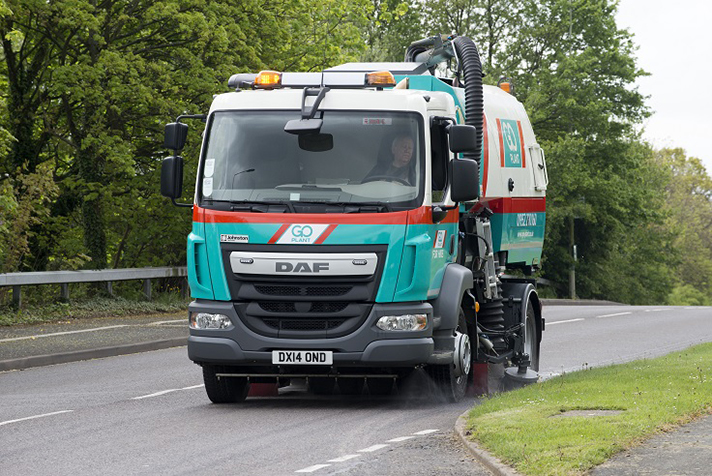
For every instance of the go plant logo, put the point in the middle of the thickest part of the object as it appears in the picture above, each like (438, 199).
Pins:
(511, 143)
(302, 234)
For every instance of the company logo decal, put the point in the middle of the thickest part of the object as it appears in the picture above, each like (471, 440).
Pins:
(303, 234)
(511, 143)
(440, 239)
(234, 239)
(526, 219)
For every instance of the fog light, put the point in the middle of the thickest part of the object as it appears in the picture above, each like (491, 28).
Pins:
(204, 320)
(406, 322)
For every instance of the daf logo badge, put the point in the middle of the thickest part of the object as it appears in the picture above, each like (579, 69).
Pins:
(246, 261)
(286, 267)
(359, 262)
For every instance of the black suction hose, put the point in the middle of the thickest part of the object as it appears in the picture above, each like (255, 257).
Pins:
(469, 60)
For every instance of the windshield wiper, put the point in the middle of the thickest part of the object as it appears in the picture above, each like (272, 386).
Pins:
(249, 205)
(356, 207)
(308, 187)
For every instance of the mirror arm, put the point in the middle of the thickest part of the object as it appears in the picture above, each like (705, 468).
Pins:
(178, 204)
(310, 112)
(442, 120)
(202, 117)
(439, 212)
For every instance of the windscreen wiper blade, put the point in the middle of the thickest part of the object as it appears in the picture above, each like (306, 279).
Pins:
(359, 207)
(309, 187)
(249, 205)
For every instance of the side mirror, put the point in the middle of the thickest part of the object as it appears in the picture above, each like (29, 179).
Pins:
(465, 176)
(463, 138)
(175, 135)
(172, 177)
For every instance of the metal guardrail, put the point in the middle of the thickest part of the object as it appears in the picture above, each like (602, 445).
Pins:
(64, 278)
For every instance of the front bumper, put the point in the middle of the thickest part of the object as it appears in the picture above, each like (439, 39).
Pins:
(368, 346)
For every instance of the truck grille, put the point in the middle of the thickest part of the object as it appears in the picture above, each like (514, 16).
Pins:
(276, 306)
(303, 307)
(282, 290)
(303, 325)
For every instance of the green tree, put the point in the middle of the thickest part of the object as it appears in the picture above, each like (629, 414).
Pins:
(492, 24)
(689, 198)
(391, 26)
(94, 84)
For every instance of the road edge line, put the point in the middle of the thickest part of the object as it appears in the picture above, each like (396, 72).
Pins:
(99, 353)
(494, 465)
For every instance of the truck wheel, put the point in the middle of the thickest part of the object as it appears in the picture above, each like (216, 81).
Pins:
(225, 389)
(452, 379)
(351, 386)
(322, 385)
(531, 337)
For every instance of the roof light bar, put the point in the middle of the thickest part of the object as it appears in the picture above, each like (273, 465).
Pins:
(381, 79)
(332, 79)
(268, 80)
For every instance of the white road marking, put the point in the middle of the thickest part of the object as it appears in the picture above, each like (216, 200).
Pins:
(37, 336)
(425, 432)
(697, 308)
(311, 469)
(170, 390)
(35, 416)
(614, 315)
(158, 323)
(371, 449)
(341, 459)
(157, 394)
(399, 439)
(564, 322)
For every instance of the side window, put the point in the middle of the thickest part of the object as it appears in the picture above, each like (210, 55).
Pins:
(440, 154)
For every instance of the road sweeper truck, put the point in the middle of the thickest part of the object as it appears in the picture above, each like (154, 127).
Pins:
(357, 224)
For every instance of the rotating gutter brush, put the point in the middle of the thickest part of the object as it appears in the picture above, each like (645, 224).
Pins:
(521, 374)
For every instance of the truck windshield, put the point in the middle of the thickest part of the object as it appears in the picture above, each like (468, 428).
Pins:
(365, 157)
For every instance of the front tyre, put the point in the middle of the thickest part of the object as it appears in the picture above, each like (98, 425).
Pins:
(452, 379)
(532, 343)
(224, 389)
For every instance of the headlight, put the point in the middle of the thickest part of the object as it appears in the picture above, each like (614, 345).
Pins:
(406, 322)
(204, 320)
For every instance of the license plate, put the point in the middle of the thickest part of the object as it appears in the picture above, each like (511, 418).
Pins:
(303, 357)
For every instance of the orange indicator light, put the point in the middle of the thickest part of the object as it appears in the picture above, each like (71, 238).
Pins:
(380, 78)
(268, 79)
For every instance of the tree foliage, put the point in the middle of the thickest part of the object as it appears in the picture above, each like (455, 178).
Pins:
(689, 198)
(90, 85)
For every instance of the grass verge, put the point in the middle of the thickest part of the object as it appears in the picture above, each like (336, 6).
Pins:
(92, 307)
(521, 427)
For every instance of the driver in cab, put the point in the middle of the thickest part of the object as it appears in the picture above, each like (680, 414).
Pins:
(399, 168)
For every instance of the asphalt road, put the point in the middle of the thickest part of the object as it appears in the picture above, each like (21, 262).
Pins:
(148, 413)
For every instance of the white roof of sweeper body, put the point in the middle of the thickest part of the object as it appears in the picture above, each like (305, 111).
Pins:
(397, 68)
(343, 99)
